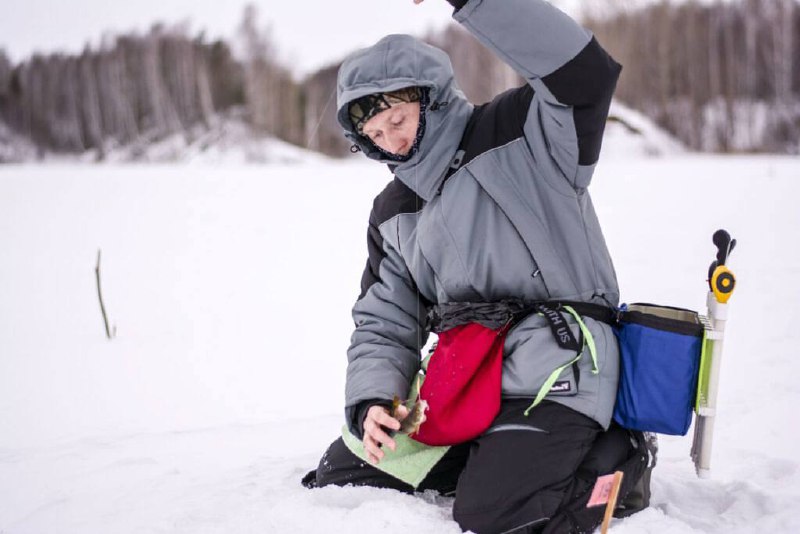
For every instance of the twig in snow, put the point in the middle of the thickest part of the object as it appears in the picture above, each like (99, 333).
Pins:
(109, 332)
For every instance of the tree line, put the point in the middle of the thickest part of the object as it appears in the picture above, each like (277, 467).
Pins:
(721, 77)
(135, 89)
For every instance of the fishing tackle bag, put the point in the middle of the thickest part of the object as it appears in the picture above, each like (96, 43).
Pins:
(660, 351)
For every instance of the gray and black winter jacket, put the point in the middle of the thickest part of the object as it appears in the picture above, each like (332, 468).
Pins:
(514, 221)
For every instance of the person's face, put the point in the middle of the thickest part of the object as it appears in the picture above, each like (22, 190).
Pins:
(395, 129)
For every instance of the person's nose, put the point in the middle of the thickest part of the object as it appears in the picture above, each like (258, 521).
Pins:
(396, 143)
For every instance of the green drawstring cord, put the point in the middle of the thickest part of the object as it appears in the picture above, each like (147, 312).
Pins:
(588, 341)
(588, 338)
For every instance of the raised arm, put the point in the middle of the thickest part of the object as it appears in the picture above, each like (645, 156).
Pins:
(571, 77)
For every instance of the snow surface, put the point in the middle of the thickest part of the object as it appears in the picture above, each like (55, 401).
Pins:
(230, 287)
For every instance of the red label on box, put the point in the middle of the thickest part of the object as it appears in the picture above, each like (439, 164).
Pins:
(601, 491)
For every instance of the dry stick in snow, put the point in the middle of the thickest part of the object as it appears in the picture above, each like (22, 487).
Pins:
(109, 333)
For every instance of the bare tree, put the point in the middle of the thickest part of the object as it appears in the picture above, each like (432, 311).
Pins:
(479, 73)
(274, 99)
(89, 102)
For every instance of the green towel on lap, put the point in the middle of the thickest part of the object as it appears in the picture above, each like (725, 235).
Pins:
(410, 462)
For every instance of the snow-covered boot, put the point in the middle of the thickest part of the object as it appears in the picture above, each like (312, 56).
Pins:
(310, 479)
(638, 498)
(617, 449)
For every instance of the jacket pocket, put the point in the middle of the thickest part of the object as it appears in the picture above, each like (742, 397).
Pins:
(532, 355)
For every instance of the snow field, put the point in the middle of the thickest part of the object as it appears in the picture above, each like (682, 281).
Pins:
(230, 287)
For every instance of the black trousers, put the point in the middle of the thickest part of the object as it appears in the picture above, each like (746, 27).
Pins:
(524, 475)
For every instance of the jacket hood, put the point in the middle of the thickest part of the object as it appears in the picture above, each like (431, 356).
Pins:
(398, 61)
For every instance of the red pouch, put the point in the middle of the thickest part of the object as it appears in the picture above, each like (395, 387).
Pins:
(462, 384)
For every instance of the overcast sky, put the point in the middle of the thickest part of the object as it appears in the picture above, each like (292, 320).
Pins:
(308, 33)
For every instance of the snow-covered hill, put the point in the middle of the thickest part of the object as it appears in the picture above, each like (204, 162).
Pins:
(14, 148)
(227, 139)
(230, 288)
(630, 133)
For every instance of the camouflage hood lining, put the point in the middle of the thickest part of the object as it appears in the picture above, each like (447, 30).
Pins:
(396, 62)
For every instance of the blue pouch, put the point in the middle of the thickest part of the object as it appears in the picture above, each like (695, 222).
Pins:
(660, 357)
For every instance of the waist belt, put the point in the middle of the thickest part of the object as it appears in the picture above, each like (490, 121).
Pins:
(494, 315)
(598, 312)
(443, 317)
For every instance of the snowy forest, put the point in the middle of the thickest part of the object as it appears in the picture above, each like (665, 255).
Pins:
(740, 94)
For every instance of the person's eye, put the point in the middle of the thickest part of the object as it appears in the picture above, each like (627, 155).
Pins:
(377, 135)
(399, 121)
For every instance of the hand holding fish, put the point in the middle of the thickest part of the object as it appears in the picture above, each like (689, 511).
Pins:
(375, 436)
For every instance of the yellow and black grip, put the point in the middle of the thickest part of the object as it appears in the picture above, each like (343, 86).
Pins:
(720, 279)
(722, 283)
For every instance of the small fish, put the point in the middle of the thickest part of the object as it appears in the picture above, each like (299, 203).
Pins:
(416, 415)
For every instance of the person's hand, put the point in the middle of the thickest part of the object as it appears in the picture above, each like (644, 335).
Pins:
(375, 436)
